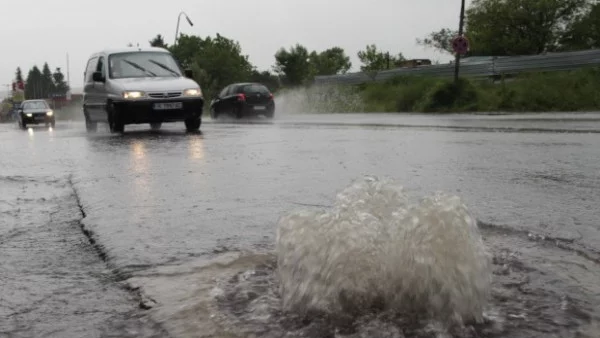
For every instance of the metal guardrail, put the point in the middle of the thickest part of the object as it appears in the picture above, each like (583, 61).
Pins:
(479, 67)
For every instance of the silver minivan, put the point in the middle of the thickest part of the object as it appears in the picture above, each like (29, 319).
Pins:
(139, 85)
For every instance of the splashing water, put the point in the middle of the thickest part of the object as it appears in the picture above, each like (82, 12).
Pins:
(377, 264)
(319, 99)
(375, 250)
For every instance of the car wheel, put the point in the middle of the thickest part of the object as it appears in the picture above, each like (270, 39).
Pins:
(155, 126)
(22, 124)
(270, 114)
(213, 114)
(90, 126)
(115, 121)
(237, 112)
(53, 124)
(193, 124)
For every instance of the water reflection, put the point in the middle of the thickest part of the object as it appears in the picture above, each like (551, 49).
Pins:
(196, 148)
(138, 158)
(30, 132)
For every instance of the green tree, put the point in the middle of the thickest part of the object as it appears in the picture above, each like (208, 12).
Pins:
(61, 87)
(218, 63)
(158, 41)
(374, 60)
(34, 88)
(187, 48)
(47, 82)
(266, 78)
(516, 27)
(583, 33)
(440, 40)
(330, 61)
(519, 27)
(294, 64)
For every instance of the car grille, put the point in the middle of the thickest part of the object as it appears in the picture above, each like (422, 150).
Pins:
(164, 95)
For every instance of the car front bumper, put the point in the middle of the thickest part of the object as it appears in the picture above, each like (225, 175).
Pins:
(143, 111)
(39, 118)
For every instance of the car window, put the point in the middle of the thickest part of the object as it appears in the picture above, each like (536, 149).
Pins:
(35, 105)
(100, 66)
(224, 92)
(89, 70)
(232, 90)
(254, 89)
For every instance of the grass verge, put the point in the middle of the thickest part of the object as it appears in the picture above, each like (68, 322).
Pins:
(571, 91)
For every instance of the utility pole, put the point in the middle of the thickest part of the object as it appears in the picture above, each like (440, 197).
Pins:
(68, 73)
(460, 33)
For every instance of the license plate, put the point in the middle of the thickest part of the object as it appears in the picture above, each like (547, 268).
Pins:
(168, 105)
(259, 107)
(40, 118)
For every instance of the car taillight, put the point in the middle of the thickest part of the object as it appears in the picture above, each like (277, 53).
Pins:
(271, 96)
(241, 97)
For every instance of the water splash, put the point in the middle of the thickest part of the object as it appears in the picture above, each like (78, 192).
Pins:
(319, 99)
(376, 250)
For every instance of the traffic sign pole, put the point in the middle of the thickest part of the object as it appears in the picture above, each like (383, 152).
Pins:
(460, 33)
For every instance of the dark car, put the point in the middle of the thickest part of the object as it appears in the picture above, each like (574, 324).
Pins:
(35, 112)
(243, 99)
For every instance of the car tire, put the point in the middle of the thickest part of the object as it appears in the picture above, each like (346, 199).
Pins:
(23, 125)
(270, 114)
(193, 124)
(90, 126)
(53, 124)
(155, 125)
(115, 121)
(213, 114)
(237, 112)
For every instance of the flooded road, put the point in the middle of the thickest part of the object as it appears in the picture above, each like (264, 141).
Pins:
(179, 230)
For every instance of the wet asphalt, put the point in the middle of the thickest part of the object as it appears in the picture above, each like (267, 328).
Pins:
(81, 215)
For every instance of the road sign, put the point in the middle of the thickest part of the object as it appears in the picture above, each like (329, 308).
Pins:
(460, 45)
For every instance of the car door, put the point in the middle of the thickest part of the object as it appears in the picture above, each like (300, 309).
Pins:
(101, 92)
(218, 103)
(90, 96)
(229, 99)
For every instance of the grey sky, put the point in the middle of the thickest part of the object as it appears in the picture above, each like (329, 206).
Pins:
(40, 30)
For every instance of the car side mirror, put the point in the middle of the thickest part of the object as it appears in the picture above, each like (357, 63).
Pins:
(98, 77)
(188, 73)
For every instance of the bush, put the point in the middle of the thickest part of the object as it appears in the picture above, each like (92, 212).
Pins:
(534, 92)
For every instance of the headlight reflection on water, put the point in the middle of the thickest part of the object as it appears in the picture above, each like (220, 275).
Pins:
(196, 148)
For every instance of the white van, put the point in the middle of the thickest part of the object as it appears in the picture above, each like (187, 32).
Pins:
(139, 85)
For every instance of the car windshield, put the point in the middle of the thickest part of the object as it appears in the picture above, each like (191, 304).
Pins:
(142, 64)
(35, 105)
(255, 88)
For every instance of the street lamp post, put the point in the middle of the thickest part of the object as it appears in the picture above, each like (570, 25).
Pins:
(177, 29)
(460, 33)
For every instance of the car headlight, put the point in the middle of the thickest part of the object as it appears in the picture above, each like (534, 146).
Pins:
(29, 115)
(50, 113)
(192, 92)
(133, 94)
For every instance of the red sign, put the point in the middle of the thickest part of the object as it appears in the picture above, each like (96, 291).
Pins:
(460, 45)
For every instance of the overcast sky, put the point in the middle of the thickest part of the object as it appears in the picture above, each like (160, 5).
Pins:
(36, 31)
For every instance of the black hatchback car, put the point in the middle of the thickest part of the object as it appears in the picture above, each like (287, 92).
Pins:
(243, 99)
(35, 112)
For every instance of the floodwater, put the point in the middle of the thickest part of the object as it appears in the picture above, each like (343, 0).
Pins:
(173, 234)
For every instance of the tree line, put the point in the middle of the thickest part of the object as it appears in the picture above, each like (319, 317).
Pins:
(219, 61)
(42, 84)
(494, 28)
(524, 27)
